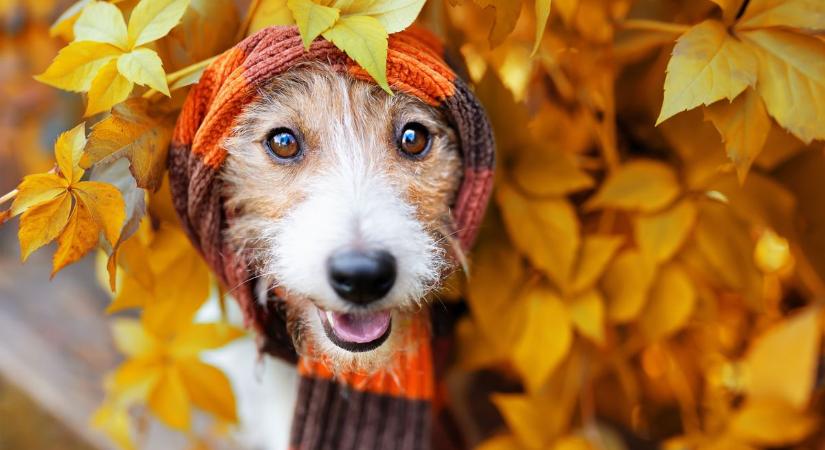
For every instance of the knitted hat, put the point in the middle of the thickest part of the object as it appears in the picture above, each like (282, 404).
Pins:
(389, 409)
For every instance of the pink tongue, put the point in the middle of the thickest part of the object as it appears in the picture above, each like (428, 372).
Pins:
(360, 328)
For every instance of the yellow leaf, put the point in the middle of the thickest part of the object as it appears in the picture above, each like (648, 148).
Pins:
(115, 421)
(168, 400)
(549, 172)
(271, 12)
(792, 80)
(42, 223)
(547, 231)
(506, 16)
(152, 19)
(203, 336)
(587, 315)
(63, 26)
(394, 15)
(596, 252)
(771, 424)
(208, 389)
(132, 339)
(781, 364)
(137, 377)
(181, 282)
(546, 338)
(500, 442)
(524, 417)
(101, 22)
(312, 19)
(643, 185)
(707, 65)
(80, 235)
(364, 40)
(144, 67)
(729, 8)
(744, 125)
(808, 14)
(106, 205)
(36, 189)
(77, 65)
(68, 150)
(625, 284)
(542, 14)
(137, 131)
(108, 89)
(672, 299)
(574, 442)
(496, 276)
(660, 235)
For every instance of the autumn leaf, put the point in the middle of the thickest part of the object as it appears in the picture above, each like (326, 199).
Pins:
(135, 130)
(101, 36)
(672, 300)
(769, 364)
(809, 14)
(271, 12)
(169, 366)
(641, 185)
(363, 39)
(661, 234)
(547, 231)
(546, 337)
(394, 15)
(587, 313)
(744, 125)
(626, 284)
(771, 424)
(595, 253)
(542, 15)
(312, 19)
(707, 65)
(506, 15)
(60, 205)
(791, 79)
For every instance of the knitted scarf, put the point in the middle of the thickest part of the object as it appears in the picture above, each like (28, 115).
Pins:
(388, 409)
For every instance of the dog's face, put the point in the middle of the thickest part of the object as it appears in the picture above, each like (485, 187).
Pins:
(341, 194)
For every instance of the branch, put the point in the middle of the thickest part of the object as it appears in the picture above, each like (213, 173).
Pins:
(177, 75)
(654, 25)
(9, 196)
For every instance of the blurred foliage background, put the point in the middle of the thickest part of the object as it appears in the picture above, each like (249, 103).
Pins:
(650, 274)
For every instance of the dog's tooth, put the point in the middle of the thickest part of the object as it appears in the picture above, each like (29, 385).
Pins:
(330, 318)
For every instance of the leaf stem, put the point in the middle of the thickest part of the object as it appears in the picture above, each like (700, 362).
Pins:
(177, 75)
(9, 196)
(654, 25)
(247, 20)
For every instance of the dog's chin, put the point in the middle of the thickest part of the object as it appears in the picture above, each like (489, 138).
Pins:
(363, 341)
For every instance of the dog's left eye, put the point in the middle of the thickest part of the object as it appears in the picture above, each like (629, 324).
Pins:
(414, 140)
(282, 144)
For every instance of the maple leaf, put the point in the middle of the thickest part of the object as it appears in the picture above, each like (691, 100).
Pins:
(60, 205)
(106, 58)
(167, 368)
(744, 125)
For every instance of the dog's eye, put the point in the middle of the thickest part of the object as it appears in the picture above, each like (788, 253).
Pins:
(414, 140)
(282, 144)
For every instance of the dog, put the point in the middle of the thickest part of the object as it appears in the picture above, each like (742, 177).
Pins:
(341, 193)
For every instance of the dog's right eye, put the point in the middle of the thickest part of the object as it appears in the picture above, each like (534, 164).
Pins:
(282, 144)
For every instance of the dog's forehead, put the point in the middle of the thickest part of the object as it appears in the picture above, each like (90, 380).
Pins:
(317, 97)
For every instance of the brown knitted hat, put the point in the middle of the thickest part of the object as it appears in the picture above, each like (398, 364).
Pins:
(349, 410)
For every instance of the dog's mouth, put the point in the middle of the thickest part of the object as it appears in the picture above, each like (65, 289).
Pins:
(357, 332)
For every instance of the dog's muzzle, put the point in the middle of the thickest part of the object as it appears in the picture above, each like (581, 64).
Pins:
(359, 277)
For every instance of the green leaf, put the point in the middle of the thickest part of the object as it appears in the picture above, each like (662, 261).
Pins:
(394, 15)
(312, 19)
(364, 39)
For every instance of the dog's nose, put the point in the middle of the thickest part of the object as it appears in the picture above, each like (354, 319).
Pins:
(361, 276)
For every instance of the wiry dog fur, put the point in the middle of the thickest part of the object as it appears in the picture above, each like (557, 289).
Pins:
(352, 187)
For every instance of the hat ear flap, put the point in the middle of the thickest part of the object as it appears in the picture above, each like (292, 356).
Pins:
(477, 146)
